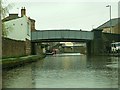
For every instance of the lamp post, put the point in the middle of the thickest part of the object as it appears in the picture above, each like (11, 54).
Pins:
(110, 18)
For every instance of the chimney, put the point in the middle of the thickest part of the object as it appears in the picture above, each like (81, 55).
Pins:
(23, 11)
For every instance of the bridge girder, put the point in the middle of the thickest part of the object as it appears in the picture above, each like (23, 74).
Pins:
(62, 35)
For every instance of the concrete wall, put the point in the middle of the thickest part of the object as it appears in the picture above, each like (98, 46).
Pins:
(15, 48)
(18, 29)
(89, 48)
(97, 43)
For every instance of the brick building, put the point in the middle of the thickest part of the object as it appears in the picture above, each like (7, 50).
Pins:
(115, 26)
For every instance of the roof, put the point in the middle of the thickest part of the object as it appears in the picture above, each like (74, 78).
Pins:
(31, 19)
(11, 17)
(114, 22)
(15, 16)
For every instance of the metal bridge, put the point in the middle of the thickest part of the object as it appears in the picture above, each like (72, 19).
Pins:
(61, 35)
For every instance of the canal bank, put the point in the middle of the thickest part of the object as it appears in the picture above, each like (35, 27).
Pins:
(9, 63)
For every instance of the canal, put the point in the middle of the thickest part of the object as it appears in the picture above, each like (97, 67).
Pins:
(65, 71)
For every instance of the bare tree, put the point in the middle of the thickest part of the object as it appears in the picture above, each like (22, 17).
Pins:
(4, 10)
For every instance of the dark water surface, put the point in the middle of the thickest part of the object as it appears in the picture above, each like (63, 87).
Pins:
(65, 71)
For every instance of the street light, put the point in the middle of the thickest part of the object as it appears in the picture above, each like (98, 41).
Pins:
(110, 18)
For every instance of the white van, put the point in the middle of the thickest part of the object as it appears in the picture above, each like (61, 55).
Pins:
(115, 47)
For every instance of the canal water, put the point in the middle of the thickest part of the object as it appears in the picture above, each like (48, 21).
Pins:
(65, 71)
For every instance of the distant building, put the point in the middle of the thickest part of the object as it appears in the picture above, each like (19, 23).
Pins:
(73, 47)
(115, 24)
(69, 44)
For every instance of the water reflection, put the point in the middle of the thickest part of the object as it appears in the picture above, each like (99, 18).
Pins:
(65, 72)
(18, 78)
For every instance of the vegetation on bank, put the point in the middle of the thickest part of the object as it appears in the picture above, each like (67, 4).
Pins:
(15, 62)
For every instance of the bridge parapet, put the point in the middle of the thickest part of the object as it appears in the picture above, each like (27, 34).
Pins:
(62, 34)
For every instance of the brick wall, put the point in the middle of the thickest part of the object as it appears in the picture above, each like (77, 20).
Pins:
(13, 48)
(27, 47)
(117, 29)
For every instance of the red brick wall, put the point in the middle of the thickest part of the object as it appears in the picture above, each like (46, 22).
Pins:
(13, 48)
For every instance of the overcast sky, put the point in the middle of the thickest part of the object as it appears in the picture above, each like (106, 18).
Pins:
(64, 14)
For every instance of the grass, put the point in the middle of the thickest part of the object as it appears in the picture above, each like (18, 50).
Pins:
(13, 62)
(6, 57)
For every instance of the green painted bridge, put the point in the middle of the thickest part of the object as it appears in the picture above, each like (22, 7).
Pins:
(96, 40)
(61, 35)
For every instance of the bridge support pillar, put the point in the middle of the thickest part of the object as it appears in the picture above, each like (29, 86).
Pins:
(36, 49)
(97, 43)
(33, 48)
(88, 44)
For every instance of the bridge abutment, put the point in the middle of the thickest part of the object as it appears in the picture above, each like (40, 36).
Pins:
(97, 43)
(36, 49)
(88, 45)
